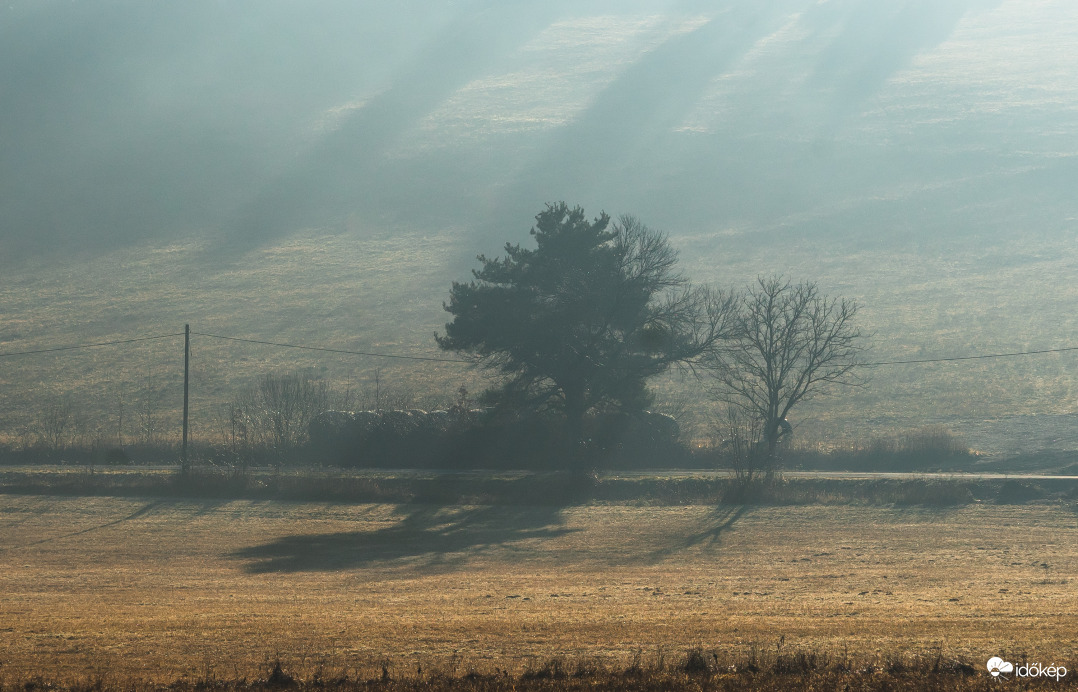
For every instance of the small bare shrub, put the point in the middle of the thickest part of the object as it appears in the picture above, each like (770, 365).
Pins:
(149, 414)
(274, 415)
(700, 662)
(741, 446)
(55, 423)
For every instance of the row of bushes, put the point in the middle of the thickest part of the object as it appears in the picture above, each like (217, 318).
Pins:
(479, 439)
(288, 420)
(462, 438)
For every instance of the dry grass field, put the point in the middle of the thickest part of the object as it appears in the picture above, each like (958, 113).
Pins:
(161, 590)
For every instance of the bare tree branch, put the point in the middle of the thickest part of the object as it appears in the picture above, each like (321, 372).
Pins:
(790, 343)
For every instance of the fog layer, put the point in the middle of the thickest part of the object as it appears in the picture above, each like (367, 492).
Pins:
(863, 121)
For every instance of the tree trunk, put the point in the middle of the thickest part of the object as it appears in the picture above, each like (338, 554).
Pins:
(575, 408)
(771, 438)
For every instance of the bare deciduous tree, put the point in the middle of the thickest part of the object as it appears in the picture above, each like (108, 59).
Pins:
(149, 413)
(287, 404)
(791, 343)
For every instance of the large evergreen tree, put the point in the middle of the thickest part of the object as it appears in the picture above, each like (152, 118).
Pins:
(586, 317)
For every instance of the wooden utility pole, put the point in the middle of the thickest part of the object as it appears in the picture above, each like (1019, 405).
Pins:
(186, 380)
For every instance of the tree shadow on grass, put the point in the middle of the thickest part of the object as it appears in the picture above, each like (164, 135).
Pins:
(718, 522)
(148, 508)
(426, 539)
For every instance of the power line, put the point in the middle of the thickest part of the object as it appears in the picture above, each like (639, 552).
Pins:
(457, 360)
(81, 346)
(460, 360)
(332, 350)
(988, 355)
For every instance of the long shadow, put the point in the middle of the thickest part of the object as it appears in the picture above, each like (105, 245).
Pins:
(744, 170)
(347, 170)
(853, 49)
(720, 521)
(620, 150)
(872, 42)
(625, 131)
(145, 509)
(427, 539)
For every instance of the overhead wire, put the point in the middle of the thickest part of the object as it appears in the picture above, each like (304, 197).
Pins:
(94, 345)
(980, 357)
(332, 350)
(325, 349)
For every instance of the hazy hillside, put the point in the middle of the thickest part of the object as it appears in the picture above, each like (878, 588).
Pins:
(247, 120)
(321, 172)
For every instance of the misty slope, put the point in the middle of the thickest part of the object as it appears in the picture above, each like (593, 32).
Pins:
(247, 120)
(321, 172)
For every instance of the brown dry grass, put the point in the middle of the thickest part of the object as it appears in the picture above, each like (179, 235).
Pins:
(159, 590)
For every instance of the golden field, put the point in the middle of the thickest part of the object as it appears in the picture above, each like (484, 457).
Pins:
(160, 590)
